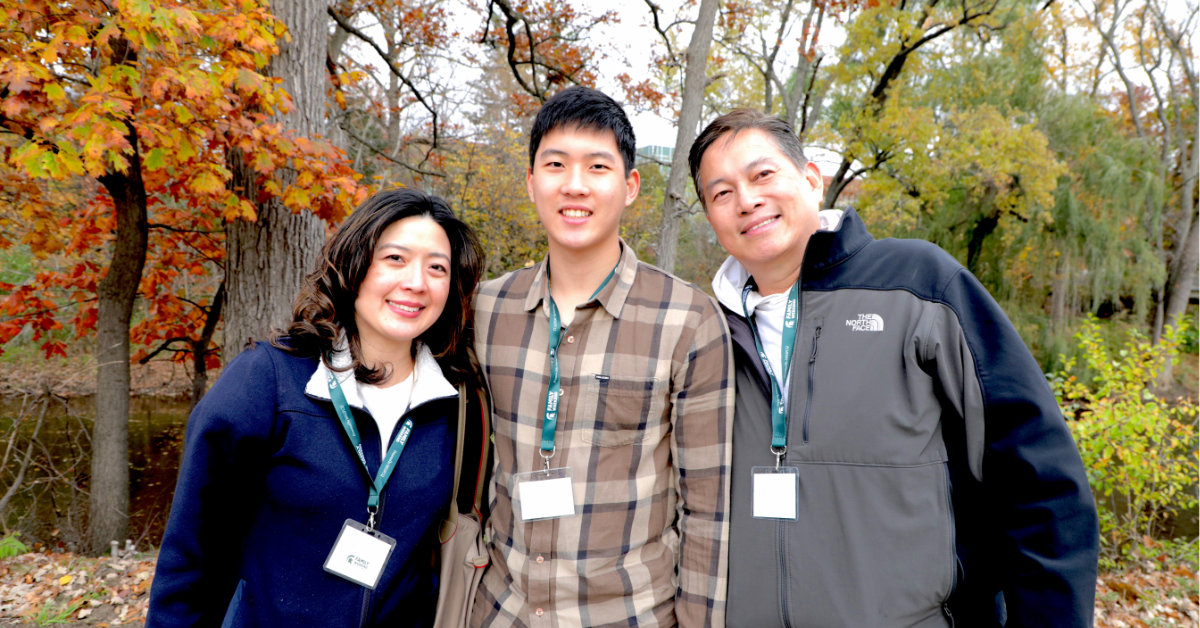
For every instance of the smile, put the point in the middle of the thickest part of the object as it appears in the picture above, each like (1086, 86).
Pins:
(576, 213)
(405, 308)
(760, 225)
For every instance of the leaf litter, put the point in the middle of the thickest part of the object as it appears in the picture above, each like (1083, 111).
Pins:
(41, 588)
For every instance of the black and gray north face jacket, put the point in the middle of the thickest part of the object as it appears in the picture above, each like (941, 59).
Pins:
(939, 485)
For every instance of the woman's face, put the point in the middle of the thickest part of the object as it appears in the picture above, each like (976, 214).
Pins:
(405, 289)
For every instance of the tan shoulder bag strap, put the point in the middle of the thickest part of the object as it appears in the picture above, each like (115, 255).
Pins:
(451, 522)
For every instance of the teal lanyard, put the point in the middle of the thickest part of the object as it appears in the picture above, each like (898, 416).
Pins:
(552, 393)
(778, 407)
(393, 454)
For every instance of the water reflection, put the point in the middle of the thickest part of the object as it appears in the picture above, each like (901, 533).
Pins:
(51, 507)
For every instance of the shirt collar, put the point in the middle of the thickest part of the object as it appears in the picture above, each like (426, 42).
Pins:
(612, 297)
(428, 382)
(731, 278)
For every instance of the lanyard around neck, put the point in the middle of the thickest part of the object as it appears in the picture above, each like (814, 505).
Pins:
(778, 406)
(393, 453)
(550, 423)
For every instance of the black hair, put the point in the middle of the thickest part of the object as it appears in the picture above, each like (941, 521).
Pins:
(584, 108)
(325, 305)
(735, 122)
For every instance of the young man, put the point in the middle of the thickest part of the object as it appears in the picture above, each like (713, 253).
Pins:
(613, 395)
(899, 458)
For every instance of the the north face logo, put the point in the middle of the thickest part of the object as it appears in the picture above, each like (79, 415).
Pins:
(866, 322)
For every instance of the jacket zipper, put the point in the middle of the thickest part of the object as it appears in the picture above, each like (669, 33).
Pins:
(365, 611)
(785, 603)
(812, 369)
(953, 549)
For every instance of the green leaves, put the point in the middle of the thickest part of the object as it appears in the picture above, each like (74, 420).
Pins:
(1139, 450)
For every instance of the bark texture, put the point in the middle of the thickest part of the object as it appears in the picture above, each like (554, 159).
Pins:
(267, 260)
(695, 79)
(108, 517)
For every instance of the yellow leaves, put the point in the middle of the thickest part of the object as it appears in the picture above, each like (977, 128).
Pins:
(206, 182)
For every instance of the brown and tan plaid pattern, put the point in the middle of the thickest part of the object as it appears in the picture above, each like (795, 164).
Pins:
(645, 423)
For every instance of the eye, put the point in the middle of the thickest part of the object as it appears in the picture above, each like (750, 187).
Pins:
(719, 194)
(764, 174)
(394, 257)
(439, 269)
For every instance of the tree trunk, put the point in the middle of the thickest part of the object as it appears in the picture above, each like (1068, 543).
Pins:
(695, 80)
(1182, 272)
(1058, 299)
(266, 260)
(108, 517)
(200, 348)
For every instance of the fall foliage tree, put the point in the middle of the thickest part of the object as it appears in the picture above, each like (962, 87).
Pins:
(144, 99)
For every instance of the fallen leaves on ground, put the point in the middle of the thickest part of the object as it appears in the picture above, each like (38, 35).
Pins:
(1150, 594)
(43, 588)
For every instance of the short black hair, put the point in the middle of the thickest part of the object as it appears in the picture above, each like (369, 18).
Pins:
(584, 108)
(735, 122)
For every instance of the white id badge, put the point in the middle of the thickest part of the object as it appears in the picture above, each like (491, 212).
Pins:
(543, 494)
(776, 492)
(359, 554)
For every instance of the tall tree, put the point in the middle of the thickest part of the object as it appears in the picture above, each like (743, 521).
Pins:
(398, 116)
(779, 40)
(675, 205)
(880, 44)
(133, 105)
(268, 256)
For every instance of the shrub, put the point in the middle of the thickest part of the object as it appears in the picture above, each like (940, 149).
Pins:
(1140, 451)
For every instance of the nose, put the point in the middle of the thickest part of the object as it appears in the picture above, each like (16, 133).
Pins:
(748, 199)
(412, 277)
(574, 185)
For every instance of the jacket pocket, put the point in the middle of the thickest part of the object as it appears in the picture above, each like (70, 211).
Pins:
(619, 411)
(952, 561)
(885, 556)
(812, 375)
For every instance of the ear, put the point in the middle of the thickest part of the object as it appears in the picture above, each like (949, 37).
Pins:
(529, 183)
(812, 174)
(633, 184)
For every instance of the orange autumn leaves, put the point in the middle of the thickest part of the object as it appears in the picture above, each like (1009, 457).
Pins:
(187, 78)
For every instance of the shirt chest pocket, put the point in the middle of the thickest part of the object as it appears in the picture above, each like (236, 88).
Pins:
(619, 411)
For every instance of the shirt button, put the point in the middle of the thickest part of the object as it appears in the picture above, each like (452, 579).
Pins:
(540, 560)
(570, 339)
(539, 612)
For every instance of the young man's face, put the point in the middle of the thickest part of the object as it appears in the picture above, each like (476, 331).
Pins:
(760, 205)
(579, 187)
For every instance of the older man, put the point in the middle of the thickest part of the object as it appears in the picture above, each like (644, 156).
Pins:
(899, 459)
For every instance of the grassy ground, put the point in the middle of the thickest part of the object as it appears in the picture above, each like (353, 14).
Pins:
(39, 589)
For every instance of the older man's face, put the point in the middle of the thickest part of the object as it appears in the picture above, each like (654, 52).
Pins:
(759, 204)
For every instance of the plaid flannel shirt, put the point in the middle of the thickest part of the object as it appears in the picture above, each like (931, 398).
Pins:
(645, 420)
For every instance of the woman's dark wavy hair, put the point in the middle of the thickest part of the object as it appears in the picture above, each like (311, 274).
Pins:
(325, 305)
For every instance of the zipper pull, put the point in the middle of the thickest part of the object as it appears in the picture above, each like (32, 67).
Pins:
(813, 357)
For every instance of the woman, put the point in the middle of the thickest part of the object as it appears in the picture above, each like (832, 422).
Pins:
(273, 477)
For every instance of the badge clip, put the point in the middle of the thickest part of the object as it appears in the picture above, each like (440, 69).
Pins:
(546, 459)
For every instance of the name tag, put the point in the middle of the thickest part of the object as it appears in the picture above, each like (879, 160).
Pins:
(776, 492)
(543, 495)
(359, 555)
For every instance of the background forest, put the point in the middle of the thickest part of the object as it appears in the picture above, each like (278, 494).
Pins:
(170, 169)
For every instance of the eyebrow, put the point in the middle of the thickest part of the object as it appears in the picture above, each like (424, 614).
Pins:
(389, 245)
(750, 166)
(556, 152)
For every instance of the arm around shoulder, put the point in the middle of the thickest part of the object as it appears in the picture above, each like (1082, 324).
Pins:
(702, 398)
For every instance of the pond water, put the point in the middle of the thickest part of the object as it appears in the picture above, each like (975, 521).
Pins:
(50, 509)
